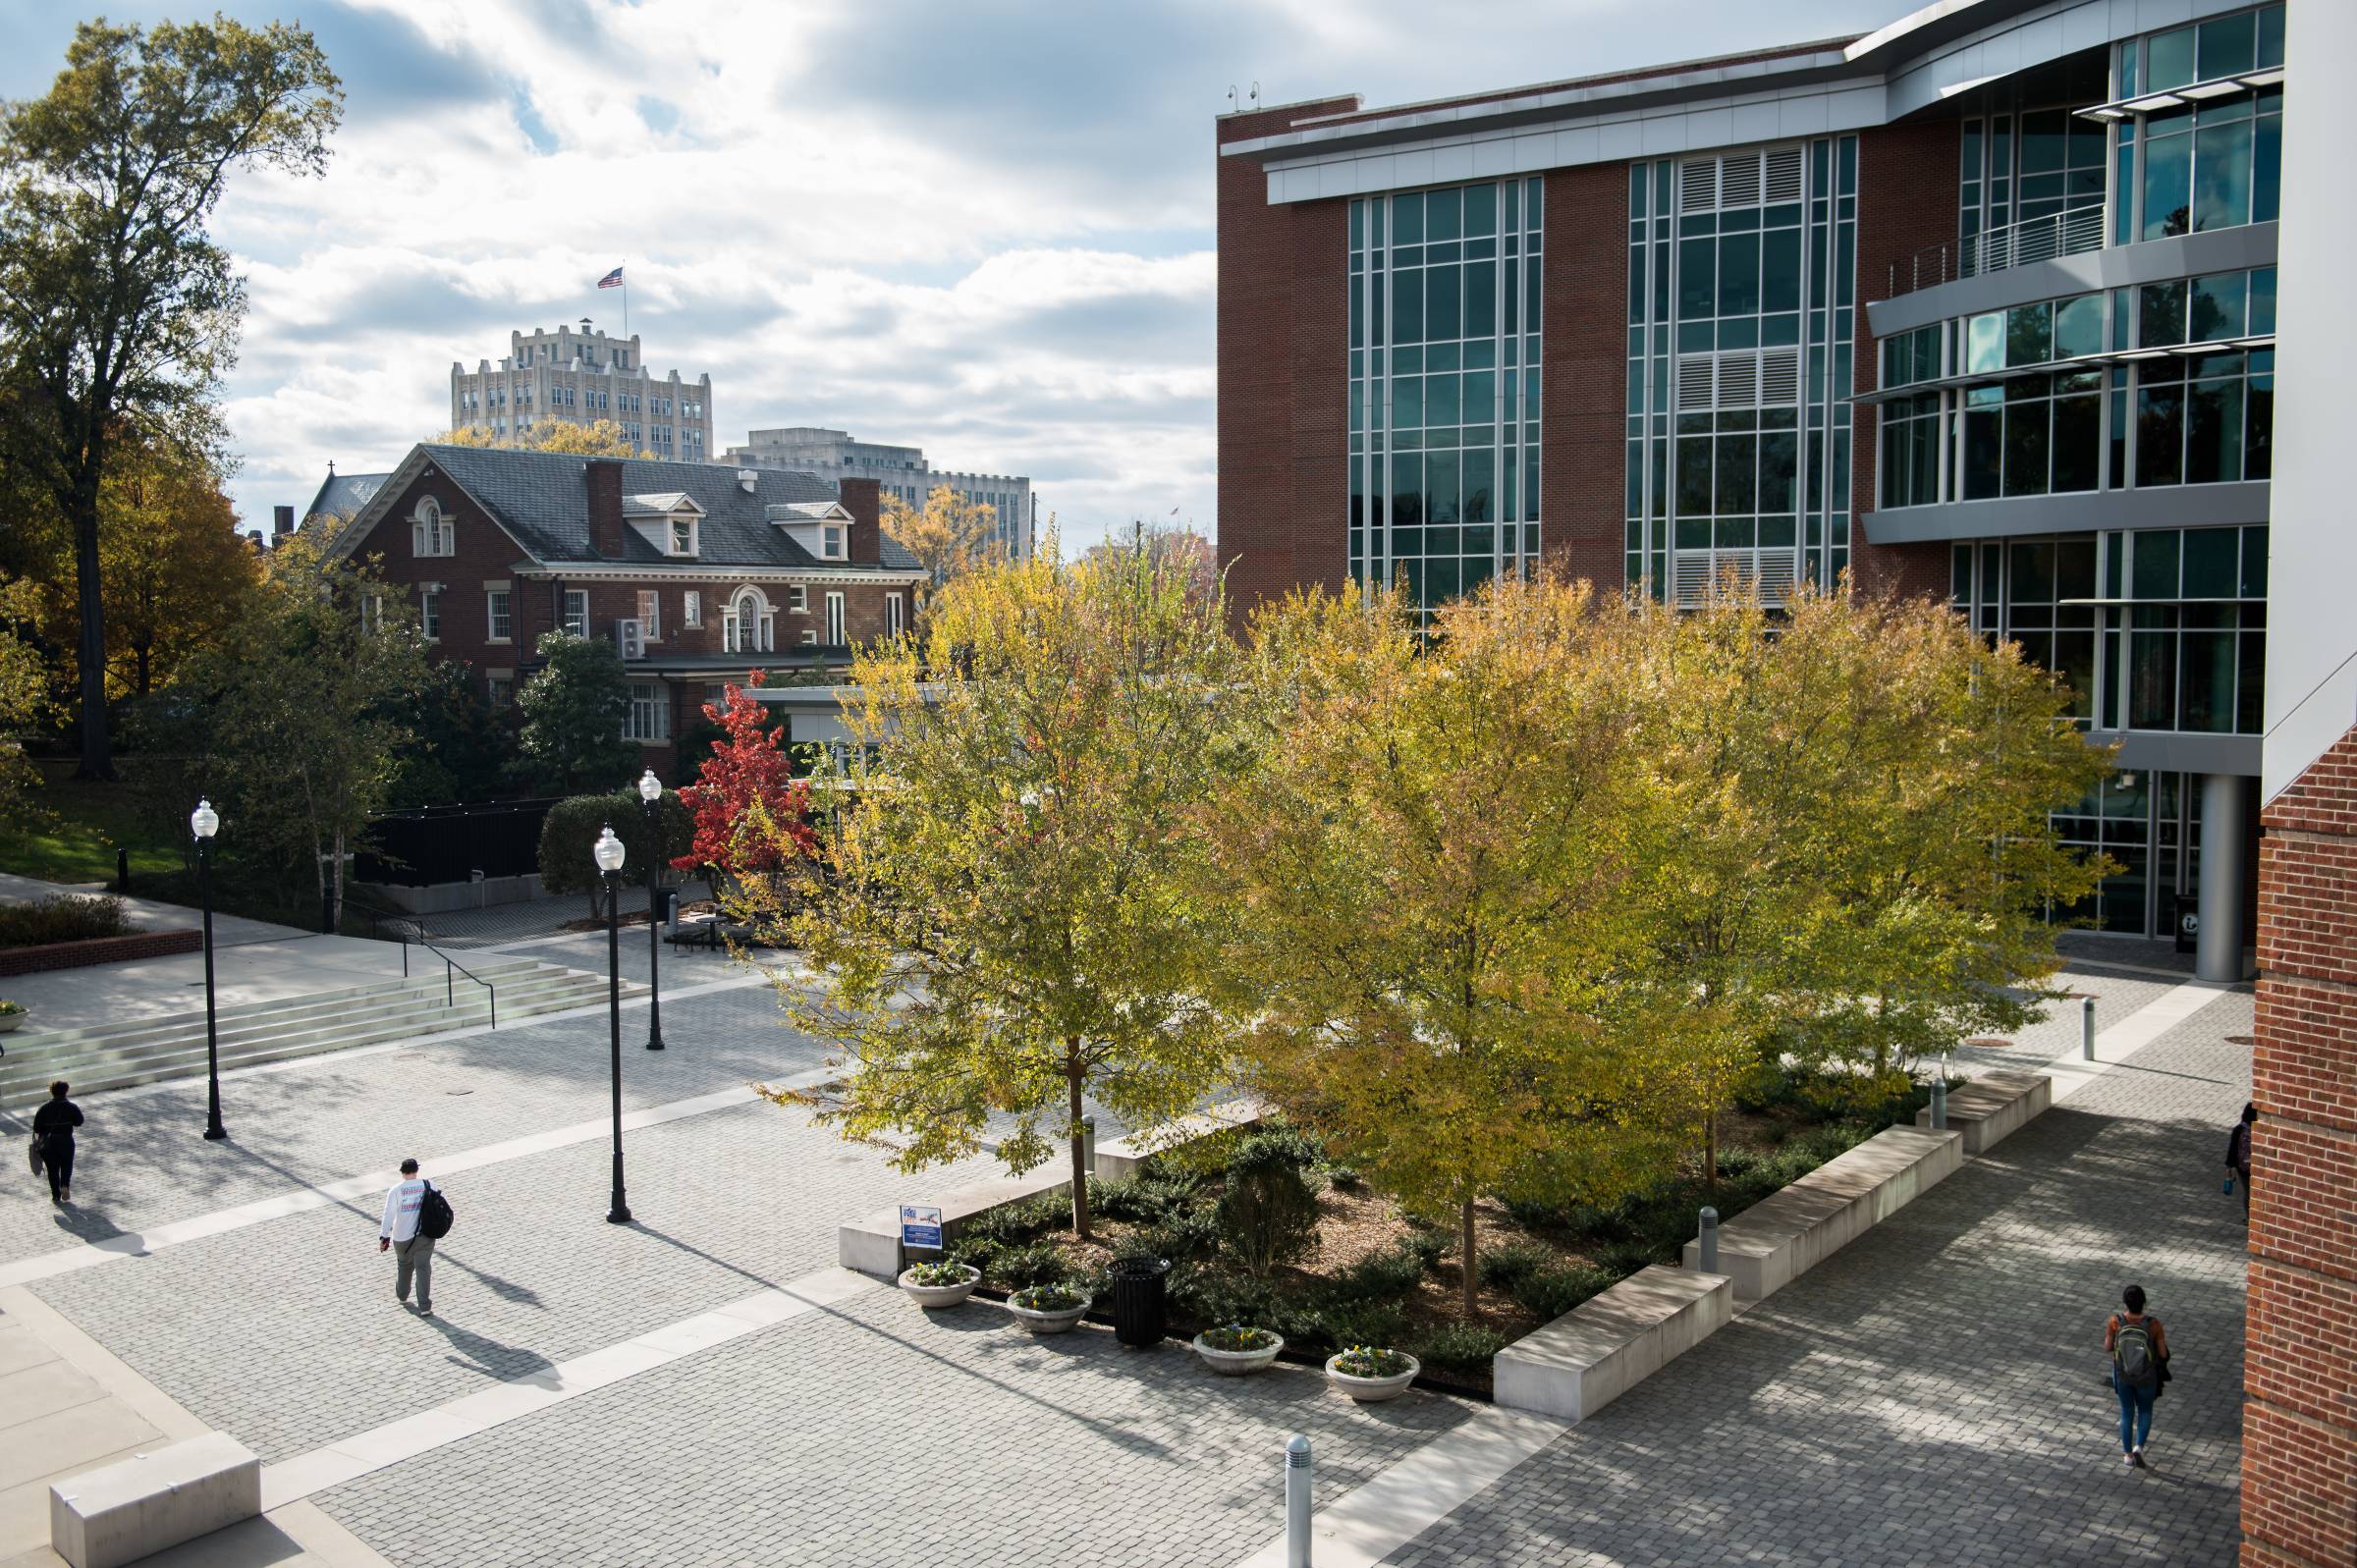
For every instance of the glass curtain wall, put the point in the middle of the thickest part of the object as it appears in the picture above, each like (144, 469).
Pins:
(2211, 162)
(1742, 282)
(1444, 400)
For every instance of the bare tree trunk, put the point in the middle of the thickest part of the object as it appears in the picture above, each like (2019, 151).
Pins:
(1073, 1076)
(1464, 1224)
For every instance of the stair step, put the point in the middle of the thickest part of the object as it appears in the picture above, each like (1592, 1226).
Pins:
(418, 986)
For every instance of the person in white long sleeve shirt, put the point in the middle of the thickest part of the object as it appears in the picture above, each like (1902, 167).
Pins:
(399, 1232)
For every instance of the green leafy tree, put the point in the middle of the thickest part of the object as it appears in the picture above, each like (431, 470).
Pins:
(573, 708)
(23, 695)
(570, 830)
(117, 311)
(462, 748)
(1004, 925)
(1427, 872)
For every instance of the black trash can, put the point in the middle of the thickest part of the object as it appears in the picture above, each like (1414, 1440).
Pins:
(1139, 1318)
(2189, 922)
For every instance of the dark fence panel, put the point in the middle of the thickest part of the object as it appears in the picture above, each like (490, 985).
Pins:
(450, 843)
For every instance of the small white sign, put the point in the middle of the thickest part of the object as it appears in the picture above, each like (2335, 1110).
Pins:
(921, 1227)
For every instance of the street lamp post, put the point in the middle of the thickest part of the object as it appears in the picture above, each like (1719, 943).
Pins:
(608, 853)
(203, 823)
(650, 791)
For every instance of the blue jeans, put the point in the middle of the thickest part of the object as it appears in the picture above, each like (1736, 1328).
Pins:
(2135, 1414)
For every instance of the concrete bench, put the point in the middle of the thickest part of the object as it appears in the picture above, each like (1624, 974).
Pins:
(1990, 1108)
(1612, 1341)
(1792, 1230)
(1126, 1157)
(135, 1507)
(871, 1244)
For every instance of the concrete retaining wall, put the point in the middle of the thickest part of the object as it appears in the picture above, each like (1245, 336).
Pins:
(121, 1512)
(1612, 1341)
(1992, 1107)
(1792, 1230)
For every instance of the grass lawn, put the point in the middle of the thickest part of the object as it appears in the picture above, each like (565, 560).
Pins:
(87, 822)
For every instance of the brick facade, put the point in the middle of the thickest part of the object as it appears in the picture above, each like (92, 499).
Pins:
(50, 955)
(1585, 374)
(485, 557)
(2299, 1471)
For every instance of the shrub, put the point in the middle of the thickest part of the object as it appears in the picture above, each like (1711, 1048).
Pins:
(1427, 1246)
(1268, 1210)
(572, 825)
(1342, 1178)
(1549, 1293)
(1531, 1214)
(1359, 1322)
(1186, 1238)
(62, 918)
(1022, 1267)
(1509, 1265)
(1370, 1361)
(1460, 1346)
(1014, 1224)
(1624, 1258)
(1276, 1143)
(1379, 1275)
(1210, 1297)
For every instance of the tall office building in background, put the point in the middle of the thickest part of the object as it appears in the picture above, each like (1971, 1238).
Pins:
(903, 471)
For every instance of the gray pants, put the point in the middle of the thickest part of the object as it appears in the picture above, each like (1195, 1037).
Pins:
(416, 1257)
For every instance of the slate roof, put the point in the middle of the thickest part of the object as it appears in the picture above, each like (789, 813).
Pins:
(343, 494)
(542, 498)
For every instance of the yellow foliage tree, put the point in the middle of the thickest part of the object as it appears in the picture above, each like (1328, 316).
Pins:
(950, 536)
(173, 566)
(591, 438)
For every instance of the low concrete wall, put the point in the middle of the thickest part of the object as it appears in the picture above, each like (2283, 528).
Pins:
(871, 1244)
(1992, 1107)
(121, 1512)
(1792, 1230)
(441, 897)
(1125, 1157)
(50, 955)
(1612, 1341)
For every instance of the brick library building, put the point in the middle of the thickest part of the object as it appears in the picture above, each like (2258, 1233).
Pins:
(1983, 305)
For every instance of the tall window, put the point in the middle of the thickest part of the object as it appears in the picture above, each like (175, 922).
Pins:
(431, 533)
(691, 609)
(835, 628)
(429, 612)
(650, 614)
(832, 548)
(649, 715)
(2214, 157)
(1443, 388)
(576, 612)
(749, 627)
(896, 614)
(499, 624)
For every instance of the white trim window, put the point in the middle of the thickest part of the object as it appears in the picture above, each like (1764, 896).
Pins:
(691, 609)
(576, 612)
(648, 719)
(835, 621)
(832, 545)
(430, 611)
(683, 536)
(797, 599)
(896, 614)
(650, 614)
(431, 533)
(499, 624)
(502, 689)
(750, 626)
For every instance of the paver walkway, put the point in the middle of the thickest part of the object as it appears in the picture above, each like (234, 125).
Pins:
(1934, 1394)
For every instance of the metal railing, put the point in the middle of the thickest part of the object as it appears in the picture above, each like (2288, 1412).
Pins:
(407, 930)
(2068, 233)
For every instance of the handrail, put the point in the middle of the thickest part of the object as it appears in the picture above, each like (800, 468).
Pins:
(2067, 233)
(409, 928)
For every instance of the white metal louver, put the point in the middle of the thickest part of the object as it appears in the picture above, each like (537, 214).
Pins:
(1739, 379)
(1740, 180)
(1779, 377)
(1700, 577)
(1694, 374)
(1782, 176)
(1698, 185)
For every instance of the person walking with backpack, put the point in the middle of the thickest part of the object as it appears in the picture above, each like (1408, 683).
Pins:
(53, 1136)
(2238, 1156)
(2139, 1352)
(416, 1216)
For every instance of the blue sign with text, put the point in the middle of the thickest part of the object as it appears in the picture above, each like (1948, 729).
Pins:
(921, 1227)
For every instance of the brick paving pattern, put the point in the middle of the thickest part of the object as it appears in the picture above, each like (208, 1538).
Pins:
(1934, 1394)
(873, 1432)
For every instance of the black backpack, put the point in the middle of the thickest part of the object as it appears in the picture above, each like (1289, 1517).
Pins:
(433, 1214)
(2132, 1354)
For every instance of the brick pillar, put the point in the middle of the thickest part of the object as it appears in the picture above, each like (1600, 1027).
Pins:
(1583, 378)
(863, 499)
(2299, 1424)
(605, 507)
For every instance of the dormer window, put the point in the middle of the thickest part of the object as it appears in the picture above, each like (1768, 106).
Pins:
(430, 532)
(683, 536)
(834, 542)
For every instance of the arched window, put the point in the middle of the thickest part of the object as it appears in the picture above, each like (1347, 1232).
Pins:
(430, 532)
(750, 625)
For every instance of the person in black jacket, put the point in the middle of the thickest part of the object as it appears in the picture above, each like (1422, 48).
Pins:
(54, 1125)
(2238, 1154)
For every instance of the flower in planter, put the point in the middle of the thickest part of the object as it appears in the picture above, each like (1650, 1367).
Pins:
(1045, 1298)
(9, 1009)
(933, 1276)
(1238, 1336)
(1370, 1361)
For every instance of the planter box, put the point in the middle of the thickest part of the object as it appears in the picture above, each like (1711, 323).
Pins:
(1372, 1391)
(871, 1244)
(1049, 1323)
(1616, 1340)
(934, 1297)
(1238, 1362)
(1992, 1107)
(1126, 1157)
(50, 955)
(1792, 1230)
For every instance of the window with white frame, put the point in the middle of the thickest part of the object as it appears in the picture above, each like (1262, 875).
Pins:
(835, 628)
(691, 609)
(502, 689)
(649, 715)
(833, 545)
(797, 599)
(749, 627)
(576, 612)
(430, 532)
(430, 611)
(896, 614)
(650, 614)
(810, 636)
(500, 625)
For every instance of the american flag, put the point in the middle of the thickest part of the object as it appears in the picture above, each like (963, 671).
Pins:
(611, 279)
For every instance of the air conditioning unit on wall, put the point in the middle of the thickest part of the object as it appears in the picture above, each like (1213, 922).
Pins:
(631, 637)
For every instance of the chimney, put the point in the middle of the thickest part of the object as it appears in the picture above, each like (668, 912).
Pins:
(282, 521)
(863, 499)
(605, 507)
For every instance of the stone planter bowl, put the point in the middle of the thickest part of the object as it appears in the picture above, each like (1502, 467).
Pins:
(1237, 1363)
(931, 1297)
(11, 1020)
(1370, 1390)
(1049, 1323)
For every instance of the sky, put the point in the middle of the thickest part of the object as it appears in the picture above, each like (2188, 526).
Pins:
(984, 228)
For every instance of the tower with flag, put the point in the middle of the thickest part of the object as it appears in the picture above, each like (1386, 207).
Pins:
(616, 280)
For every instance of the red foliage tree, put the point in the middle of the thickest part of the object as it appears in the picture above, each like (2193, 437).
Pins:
(747, 770)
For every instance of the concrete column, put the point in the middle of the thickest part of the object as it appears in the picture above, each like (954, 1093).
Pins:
(2217, 952)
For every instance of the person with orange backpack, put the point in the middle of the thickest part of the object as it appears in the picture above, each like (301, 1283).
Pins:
(2139, 1352)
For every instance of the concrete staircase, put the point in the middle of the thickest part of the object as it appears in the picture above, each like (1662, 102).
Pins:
(147, 1050)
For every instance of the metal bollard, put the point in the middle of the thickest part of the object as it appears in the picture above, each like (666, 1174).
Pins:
(1296, 1501)
(2087, 1027)
(1940, 1103)
(122, 871)
(1709, 1247)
